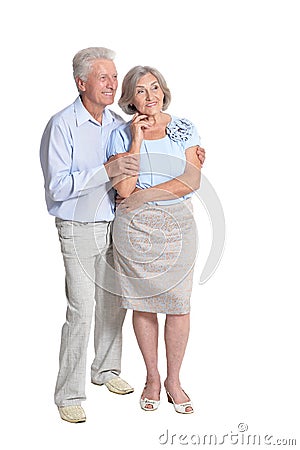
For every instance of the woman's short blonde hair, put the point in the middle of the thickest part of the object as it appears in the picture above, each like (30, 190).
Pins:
(129, 85)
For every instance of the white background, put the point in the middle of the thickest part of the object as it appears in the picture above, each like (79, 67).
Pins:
(233, 69)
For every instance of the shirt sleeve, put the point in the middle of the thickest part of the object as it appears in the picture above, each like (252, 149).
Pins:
(193, 140)
(120, 142)
(56, 159)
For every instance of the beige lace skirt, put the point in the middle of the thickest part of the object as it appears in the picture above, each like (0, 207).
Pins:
(154, 253)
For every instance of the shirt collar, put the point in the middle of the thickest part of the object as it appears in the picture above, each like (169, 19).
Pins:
(82, 114)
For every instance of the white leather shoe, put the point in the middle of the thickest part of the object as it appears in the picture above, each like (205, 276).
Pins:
(73, 414)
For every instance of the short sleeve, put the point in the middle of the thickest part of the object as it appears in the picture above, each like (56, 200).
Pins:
(183, 131)
(119, 142)
(193, 140)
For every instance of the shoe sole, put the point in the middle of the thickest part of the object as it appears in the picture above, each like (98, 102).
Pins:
(114, 391)
(72, 421)
(120, 392)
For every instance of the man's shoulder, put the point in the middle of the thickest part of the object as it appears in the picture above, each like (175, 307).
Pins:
(64, 114)
(123, 127)
(119, 121)
(122, 133)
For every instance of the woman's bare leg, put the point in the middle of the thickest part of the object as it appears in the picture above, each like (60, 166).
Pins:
(177, 329)
(145, 326)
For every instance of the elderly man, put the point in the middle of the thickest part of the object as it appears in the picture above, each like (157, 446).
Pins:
(79, 194)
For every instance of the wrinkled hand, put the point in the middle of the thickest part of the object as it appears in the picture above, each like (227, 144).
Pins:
(139, 123)
(119, 199)
(133, 202)
(122, 164)
(201, 154)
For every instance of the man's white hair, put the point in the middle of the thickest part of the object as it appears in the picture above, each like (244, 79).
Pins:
(83, 60)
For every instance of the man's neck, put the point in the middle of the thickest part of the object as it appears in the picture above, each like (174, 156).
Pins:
(95, 110)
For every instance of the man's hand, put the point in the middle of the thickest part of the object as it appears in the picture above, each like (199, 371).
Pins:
(122, 164)
(201, 154)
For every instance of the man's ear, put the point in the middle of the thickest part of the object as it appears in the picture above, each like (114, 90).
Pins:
(80, 84)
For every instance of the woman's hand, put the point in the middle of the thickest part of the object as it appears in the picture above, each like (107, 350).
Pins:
(126, 185)
(138, 124)
(133, 202)
(119, 199)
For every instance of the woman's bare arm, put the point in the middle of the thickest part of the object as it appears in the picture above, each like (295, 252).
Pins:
(188, 182)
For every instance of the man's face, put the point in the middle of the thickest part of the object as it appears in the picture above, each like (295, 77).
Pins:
(100, 88)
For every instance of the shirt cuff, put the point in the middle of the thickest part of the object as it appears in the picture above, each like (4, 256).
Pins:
(98, 177)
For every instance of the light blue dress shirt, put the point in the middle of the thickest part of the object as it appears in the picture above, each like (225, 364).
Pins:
(162, 159)
(73, 150)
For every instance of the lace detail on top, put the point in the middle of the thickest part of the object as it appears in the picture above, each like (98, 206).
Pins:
(179, 129)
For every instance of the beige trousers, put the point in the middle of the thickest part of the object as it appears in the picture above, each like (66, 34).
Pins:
(87, 254)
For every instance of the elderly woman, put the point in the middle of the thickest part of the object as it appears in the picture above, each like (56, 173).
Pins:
(154, 234)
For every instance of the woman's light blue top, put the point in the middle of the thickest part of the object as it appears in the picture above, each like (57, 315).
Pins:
(162, 159)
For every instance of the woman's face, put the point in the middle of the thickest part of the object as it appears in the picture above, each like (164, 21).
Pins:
(148, 97)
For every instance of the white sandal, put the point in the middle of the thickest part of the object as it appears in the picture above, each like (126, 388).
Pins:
(149, 405)
(181, 407)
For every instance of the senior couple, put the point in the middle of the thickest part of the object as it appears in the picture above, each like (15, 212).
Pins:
(121, 196)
